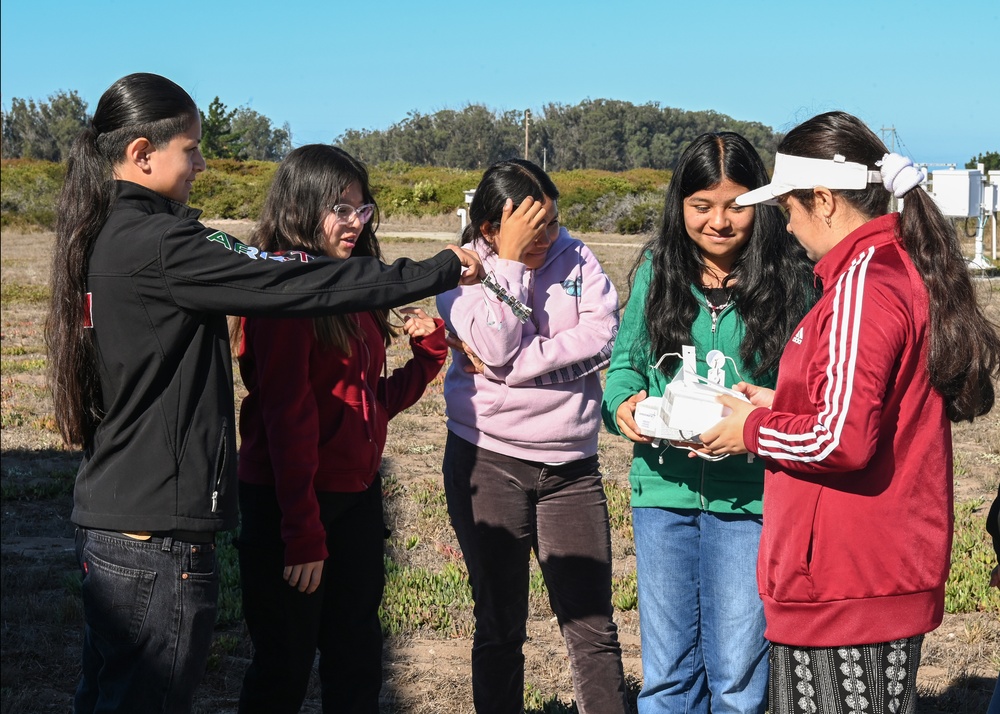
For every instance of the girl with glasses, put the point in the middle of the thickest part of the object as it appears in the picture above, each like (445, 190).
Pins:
(142, 380)
(313, 426)
(521, 475)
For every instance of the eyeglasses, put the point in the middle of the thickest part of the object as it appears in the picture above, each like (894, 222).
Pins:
(345, 213)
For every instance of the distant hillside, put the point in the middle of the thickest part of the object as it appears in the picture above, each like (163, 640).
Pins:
(603, 134)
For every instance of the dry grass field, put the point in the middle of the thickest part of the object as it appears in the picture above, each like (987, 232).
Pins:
(427, 603)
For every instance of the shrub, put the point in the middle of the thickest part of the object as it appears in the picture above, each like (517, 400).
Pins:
(590, 199)
(637, 213)
(233, 189)
(424, 191)
(29, 191)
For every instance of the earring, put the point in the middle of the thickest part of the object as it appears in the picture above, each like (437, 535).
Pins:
(829, 223)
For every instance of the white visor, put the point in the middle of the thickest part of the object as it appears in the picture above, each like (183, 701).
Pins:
(794, 172)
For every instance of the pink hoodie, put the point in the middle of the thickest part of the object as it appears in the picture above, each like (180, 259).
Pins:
(540, 396)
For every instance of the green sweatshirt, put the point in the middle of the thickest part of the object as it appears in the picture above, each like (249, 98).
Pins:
(663, 476)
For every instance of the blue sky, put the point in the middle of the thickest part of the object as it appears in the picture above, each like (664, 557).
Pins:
(930, 69)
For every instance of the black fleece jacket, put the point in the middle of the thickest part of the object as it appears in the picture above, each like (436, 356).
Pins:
(160, 286)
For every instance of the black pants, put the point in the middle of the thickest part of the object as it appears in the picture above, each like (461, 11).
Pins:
(504, 508)
(340, 618)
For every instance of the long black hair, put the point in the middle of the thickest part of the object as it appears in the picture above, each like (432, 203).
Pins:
(964, 355)
(307, 184)
(770, 280)
(136, 106)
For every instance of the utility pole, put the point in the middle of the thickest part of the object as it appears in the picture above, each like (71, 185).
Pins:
(892, 137)
(893, 201)
(527, 120)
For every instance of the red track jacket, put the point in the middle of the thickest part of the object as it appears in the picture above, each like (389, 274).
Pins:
(858, 492)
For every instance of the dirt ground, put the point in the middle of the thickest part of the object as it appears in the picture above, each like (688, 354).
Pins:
(426, 672)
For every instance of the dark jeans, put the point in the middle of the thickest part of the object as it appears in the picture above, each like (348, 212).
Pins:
(340, 618)
(149, 609)
(503, 508)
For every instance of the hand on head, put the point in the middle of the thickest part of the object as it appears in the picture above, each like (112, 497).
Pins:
(519, 228)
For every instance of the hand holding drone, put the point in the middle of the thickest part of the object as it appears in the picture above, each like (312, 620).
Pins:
(688, 406)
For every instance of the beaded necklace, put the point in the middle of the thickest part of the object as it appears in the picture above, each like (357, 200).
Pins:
(717, 299)
(722, 296)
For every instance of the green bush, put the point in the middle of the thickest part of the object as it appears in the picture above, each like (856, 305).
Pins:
(233, 189)
(29, 191)
(639, 214)
(590, 200)
(420, 190)
(628, 202)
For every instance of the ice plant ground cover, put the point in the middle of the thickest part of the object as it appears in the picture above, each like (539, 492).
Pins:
(427, 608)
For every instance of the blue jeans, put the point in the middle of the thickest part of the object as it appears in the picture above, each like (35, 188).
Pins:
(149, 609)
(502, 509)
(701, 620)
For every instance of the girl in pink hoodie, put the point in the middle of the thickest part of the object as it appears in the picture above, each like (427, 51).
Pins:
(521, 474)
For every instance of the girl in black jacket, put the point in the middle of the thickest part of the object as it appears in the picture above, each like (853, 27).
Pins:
(141, 377)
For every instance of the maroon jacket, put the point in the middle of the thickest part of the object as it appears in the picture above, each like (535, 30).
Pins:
(858, 488)
(315, 419)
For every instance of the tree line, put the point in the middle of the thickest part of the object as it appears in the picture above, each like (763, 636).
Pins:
(46, 130)
(990, 161)
(602, 134)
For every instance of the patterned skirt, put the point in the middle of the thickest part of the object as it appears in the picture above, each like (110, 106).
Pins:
(861, 679)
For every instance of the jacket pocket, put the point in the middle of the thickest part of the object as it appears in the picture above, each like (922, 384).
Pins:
(221, 461)
(348, 458)
(810, 551)
(790, 545)
(498, 402)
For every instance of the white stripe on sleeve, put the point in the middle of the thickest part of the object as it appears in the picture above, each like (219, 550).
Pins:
(817, 443)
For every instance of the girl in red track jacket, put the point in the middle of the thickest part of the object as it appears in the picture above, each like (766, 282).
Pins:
(858, 488)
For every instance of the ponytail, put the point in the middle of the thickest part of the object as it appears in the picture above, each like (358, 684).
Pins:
(84, 205)
(964, 354)
(138, 105)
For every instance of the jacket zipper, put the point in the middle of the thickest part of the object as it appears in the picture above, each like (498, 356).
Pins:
(220, 469)
(366, 413)
(715, 321)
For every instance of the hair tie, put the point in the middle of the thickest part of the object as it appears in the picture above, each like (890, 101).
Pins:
(899, 175)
